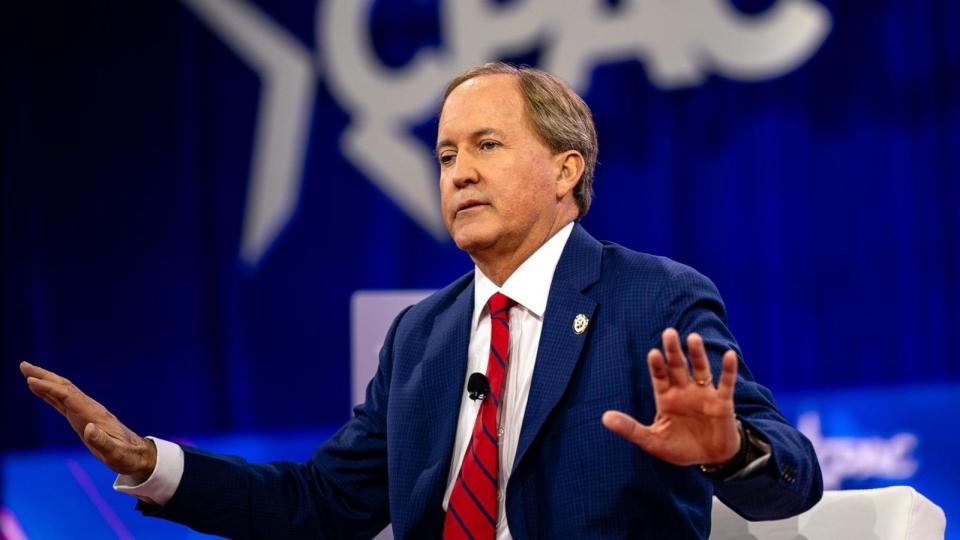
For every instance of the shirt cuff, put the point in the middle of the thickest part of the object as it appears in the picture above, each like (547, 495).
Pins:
(162, 483)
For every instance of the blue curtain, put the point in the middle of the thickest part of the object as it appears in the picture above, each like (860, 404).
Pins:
(823, 203)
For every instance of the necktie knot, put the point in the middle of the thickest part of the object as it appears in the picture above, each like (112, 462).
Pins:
(499, 306)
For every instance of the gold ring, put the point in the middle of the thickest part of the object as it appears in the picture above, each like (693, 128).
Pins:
(703, 382)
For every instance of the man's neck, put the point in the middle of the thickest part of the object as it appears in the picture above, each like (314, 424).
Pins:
(499, 267)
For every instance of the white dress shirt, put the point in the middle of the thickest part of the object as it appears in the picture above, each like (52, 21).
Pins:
(529, 287)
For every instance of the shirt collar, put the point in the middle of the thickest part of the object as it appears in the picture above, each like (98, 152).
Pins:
(529, 285)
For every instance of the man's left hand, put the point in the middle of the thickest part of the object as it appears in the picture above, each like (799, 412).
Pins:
(695, 422)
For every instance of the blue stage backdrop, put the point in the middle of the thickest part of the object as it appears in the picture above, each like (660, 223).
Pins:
(193, 190)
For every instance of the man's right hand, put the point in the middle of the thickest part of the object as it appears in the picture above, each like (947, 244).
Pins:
(110, 441)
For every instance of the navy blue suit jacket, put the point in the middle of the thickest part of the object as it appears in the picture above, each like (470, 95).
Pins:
(571, 478)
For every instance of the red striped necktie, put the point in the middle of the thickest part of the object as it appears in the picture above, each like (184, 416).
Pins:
(472, 509)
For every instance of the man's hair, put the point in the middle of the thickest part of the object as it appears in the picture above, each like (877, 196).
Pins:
(558, 115)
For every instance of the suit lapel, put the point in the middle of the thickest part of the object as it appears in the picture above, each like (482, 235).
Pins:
(560, 347)
(444, 368)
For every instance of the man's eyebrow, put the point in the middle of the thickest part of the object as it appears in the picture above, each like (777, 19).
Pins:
(482, 132)
(441, 144)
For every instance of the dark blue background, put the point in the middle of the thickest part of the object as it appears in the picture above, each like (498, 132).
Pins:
(823, 204)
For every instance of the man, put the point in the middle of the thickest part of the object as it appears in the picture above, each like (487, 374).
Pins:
(559, 323)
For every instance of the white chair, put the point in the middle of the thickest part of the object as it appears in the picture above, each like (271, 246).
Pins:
(898, 512)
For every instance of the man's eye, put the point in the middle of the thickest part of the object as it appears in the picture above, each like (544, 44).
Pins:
(445, 159)
(489, 145)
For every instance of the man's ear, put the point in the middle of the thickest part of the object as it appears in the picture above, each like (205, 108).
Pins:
(569, 170)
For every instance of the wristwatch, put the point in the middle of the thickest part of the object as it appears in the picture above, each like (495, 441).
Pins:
(751, 448)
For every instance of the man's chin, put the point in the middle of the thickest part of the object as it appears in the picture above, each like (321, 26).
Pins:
(473, 240)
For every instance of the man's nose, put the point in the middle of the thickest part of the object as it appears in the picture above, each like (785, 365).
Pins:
(464, 171)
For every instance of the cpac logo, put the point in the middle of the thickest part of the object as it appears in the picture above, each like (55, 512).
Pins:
(859, 457)
(679, 41)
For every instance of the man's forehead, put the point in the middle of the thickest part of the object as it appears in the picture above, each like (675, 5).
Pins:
(504, 83)
(488, 101)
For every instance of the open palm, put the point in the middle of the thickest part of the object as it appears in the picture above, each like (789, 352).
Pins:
(695, 421)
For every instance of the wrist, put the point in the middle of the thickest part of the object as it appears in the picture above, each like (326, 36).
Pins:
(730, 467)
(149, 460)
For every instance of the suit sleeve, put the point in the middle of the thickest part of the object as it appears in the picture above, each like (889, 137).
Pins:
(790, 483)
(341, 492)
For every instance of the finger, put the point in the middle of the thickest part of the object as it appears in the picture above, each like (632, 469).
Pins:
(40, 390)
(627, 427)
(658, 372)
(728, 378)
(50, 389)
(30, 370)
(69, 397)
(73, 417)
(699, 361)
(53, 403)
(676, 361)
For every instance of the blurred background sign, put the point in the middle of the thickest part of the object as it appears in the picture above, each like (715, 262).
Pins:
(193, 191)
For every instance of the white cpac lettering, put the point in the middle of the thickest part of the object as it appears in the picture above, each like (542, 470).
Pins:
(859, 457)
(288, 92)
(680, 42)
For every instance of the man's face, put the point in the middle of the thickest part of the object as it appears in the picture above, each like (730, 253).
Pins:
(497, 179)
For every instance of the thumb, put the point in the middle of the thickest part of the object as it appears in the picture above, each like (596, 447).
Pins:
(97, 438)
(625, 426)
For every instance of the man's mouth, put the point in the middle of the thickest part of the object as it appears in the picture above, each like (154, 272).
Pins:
(469, 205)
